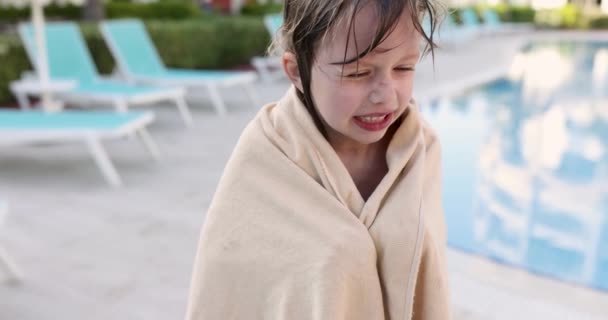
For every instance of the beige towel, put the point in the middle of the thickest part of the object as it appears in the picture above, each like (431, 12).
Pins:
(289, 237)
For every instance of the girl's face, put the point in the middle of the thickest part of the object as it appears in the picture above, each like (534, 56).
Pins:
(359, 103)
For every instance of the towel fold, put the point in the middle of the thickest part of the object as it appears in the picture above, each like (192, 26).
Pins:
(288, 235)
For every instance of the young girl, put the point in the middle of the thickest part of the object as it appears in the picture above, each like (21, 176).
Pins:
(330, 207)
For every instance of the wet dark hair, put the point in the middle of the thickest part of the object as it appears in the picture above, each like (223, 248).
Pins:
(307, 22)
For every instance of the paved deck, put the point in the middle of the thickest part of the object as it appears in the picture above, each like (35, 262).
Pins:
(92, 252)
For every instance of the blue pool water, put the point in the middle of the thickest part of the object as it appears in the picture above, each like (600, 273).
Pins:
(525, 163)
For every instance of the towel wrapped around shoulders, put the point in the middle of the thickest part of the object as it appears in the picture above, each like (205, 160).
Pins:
(289, 237)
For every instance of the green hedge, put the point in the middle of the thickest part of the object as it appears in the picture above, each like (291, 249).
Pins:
(14, 62)
(215, 42)
(567, 17)
(599, 23)
(257, 9)
(153, 10)
(209, 43)
(519, 14)
(51, 11)
(113, 9)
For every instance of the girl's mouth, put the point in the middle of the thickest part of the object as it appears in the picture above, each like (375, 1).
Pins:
(374, 122)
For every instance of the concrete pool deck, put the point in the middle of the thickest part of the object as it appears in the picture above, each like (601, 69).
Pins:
(92, 252)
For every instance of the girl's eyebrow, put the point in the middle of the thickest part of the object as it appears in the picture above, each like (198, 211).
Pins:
(349, 61)
(410, 55)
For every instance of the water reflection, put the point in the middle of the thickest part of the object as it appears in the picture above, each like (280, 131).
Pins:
(535, 146)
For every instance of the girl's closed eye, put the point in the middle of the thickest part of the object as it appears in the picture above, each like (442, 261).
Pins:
(357, 75)
(405, 69)
(364, 73)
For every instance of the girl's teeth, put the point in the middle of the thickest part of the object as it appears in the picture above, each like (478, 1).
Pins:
(372, 119)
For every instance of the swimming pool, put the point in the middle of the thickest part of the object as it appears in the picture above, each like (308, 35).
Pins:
(525, 163)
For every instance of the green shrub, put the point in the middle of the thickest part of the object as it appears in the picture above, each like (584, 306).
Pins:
(258, 9)
(599, 23)
(14, 62)
(569, 16)
(209, 42)
(506, 13)
(152, 10)
(97, 47)
(455, 14)
(113, 9)
(51, 11)
(519, 14)
(547, 18)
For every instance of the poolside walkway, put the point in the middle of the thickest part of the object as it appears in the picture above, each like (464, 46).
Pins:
(92, 252)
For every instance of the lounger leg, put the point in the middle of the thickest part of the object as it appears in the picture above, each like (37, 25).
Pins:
(184, 111)
(216, 99)
(253, 95)
(22, 100)
(122, 106)
(11, 267)
(262, 68)
(103, 162)
(150, 145)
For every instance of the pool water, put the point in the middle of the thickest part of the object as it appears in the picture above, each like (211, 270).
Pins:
(525, 163)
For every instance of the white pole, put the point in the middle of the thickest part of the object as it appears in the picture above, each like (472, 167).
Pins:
(41, 58)
(235, 6)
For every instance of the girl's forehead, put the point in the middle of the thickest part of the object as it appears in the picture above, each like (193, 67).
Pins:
(360, 26)
(359, 35)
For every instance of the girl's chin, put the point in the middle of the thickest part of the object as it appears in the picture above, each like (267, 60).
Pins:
(370, 137)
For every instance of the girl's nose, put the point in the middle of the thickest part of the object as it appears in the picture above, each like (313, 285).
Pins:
(375, 97)
(381, 92)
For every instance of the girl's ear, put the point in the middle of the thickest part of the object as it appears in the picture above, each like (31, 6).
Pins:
(290, 66)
